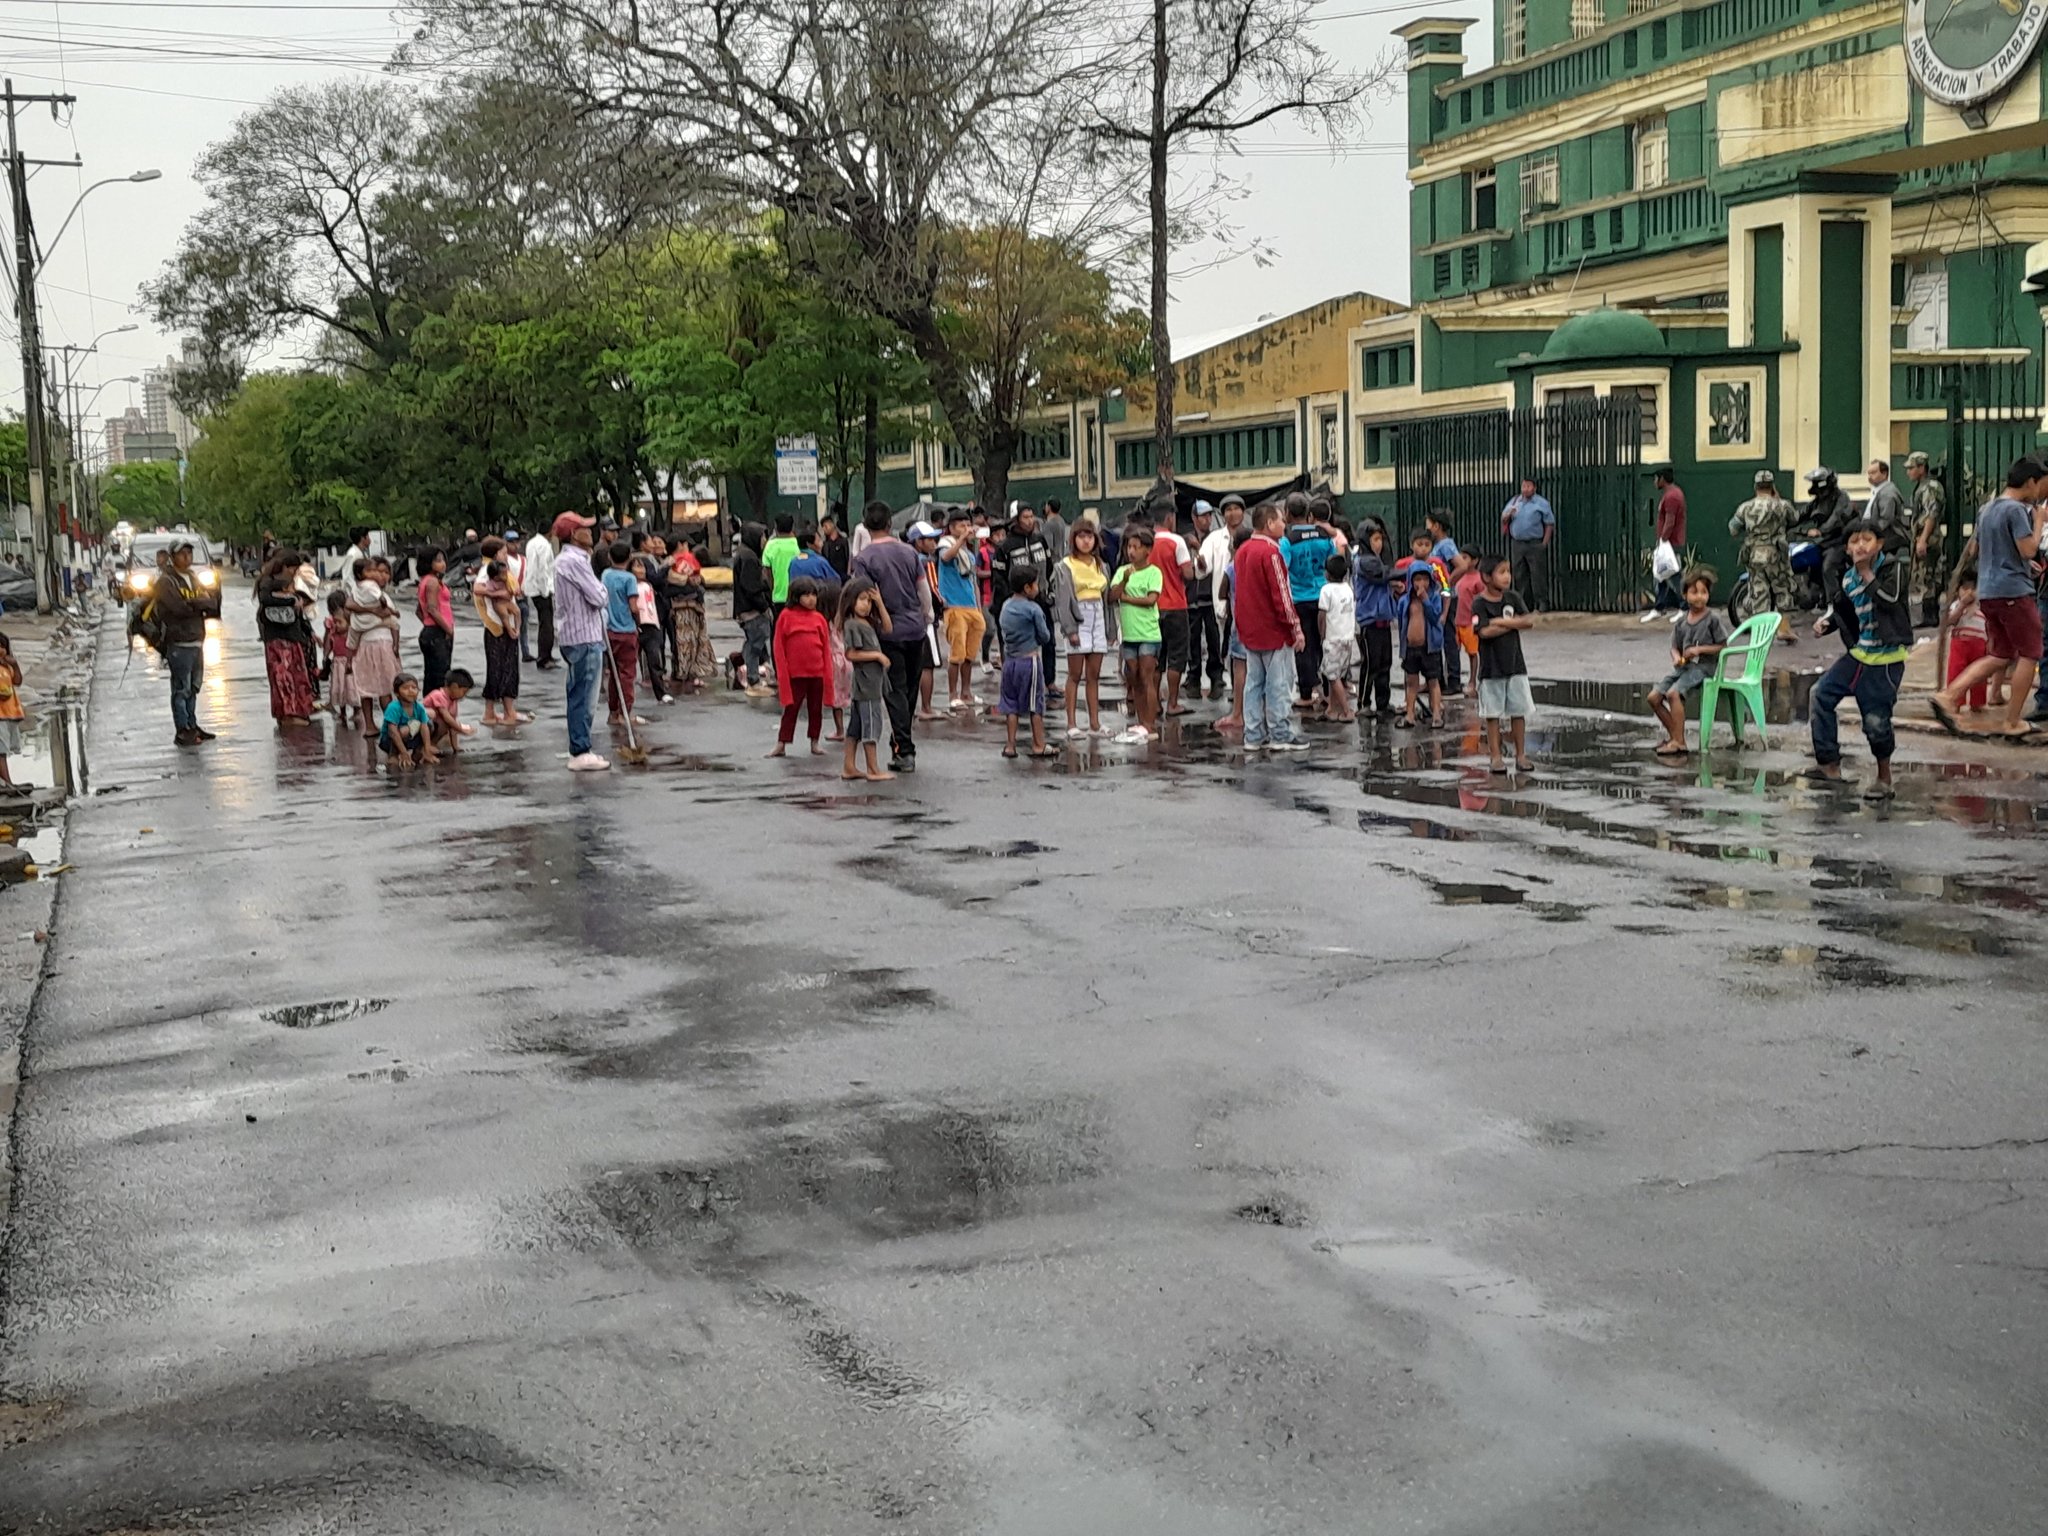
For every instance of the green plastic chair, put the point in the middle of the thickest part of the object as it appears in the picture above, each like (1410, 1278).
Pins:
(1748, 648)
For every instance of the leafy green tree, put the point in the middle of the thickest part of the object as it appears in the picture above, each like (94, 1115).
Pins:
(143, 495)
(14, 457)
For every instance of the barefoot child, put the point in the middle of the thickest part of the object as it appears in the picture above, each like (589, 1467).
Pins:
(1874, 587)
(1136, 588)
(862, 619)
(443, 707)
(340, 647)
(1696, 644)
(1468, 586)
(405, 736)
(1962, 632)
(803, 662)
(1499, 617)
(1419, 621)
(11, 712)
(1025, 632)
(1240, 658)
(1340, 638)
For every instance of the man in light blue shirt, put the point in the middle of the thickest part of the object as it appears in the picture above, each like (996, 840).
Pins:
(2008, 537)
(1530, 525)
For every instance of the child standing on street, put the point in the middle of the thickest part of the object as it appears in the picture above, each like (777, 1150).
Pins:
(839, 685)
(1373, 589)
(11, 712)
(340, 647)
(1468, 586)
(803, 662)
(1962, 631)
(1696, 644)
(444, 707)
(1419, 619)
(1340, 638)
(862, 622)
(1499, 617)
(1025, 633)
(1135, 589)
(1874, 588)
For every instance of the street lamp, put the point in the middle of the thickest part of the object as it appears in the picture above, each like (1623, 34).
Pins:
(150, 175)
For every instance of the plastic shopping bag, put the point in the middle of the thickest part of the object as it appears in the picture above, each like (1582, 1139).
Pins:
(1664, 563)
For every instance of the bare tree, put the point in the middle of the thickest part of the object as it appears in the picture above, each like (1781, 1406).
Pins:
(1208, 71)
(870, 126)
(289, 237)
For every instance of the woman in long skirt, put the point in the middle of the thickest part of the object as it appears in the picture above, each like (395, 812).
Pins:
(281, 626)
(696, 662)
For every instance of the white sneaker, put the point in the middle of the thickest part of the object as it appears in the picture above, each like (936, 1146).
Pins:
(1676, 615)
(1287, 746)
(1649, 614)
(668, 698)
(588, 762)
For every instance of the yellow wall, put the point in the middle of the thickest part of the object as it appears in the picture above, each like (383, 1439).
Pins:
(1305, 353)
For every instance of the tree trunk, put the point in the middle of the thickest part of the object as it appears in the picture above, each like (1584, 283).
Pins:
(992, 475)
(870, 446)
(1163, 380)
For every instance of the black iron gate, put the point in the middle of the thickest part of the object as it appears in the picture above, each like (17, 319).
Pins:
(1994, 417)
(1584, 455)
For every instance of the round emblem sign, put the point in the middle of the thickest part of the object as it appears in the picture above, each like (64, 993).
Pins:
(1963, 52)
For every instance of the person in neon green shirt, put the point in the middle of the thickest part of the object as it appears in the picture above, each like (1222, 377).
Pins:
(778, 554)
(1135, 590)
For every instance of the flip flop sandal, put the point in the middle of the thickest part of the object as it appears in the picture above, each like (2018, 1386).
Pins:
(1048, 752)
(1946, 716)
(1009, 751)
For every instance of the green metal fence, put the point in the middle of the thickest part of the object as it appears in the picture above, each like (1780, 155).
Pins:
(1584, 455)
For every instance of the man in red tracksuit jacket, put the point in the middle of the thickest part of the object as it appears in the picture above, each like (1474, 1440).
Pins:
(1262, 605)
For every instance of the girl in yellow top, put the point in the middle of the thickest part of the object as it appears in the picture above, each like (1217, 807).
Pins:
(1086, 622)
(11, 713)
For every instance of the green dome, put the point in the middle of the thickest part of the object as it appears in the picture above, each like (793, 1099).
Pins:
(1604, 333)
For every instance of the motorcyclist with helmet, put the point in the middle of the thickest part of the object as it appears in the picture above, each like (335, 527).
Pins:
(1829, 512)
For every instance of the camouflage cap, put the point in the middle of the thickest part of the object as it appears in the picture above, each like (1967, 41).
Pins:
(1765, 477)
(1916, 460)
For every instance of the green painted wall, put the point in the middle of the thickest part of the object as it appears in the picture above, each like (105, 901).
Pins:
(1767, 285)
(1687, 130)
(1841, 342)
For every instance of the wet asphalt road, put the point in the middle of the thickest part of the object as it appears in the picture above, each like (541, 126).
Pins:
(1347, 1144)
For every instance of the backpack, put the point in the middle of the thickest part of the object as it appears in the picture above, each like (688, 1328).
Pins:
(142, 620)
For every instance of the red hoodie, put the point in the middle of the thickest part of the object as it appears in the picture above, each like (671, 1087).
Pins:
(803, 647)
(1261, 601)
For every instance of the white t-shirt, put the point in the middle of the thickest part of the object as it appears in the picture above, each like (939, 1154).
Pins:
(1340, 613)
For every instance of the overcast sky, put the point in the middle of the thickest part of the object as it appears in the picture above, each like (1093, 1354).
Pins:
(158, 80)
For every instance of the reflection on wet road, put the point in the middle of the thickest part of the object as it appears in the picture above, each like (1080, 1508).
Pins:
(1138, 1143)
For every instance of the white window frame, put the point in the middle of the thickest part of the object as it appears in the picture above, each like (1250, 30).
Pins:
(1649, 153)
(1542, 182)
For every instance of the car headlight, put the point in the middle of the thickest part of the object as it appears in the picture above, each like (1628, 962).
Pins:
(206, 576)
(138, 581)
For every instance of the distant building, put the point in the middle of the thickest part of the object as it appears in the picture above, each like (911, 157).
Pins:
(161, 410)
(118, 430)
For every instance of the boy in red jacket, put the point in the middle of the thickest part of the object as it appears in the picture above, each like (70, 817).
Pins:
(803, 660)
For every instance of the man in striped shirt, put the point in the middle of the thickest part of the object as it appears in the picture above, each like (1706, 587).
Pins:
(580, 606)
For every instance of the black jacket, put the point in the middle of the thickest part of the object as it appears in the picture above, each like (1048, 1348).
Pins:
(751, 592)
(182, 606)
(1018, 553)
(1832, 515)
(1891, 620)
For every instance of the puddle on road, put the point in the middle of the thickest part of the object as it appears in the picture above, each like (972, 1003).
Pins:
(1022, 848)
(877, 1176)
(1458, 893)
(320, 1015)
(1826, 963)
(1786, 695)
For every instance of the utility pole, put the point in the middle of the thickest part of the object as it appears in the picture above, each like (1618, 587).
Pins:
(43, 542)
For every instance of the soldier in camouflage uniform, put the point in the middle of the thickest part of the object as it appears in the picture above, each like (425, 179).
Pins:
(1760, 529)
(1930, 537)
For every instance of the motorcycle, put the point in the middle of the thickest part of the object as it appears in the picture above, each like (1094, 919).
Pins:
(1805, 558)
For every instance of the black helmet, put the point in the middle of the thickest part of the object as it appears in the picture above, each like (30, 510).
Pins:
(1822, 479)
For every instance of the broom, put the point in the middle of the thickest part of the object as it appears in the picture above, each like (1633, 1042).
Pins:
(632, 751)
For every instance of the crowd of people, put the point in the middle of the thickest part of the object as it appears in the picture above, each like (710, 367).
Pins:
(1284, 607)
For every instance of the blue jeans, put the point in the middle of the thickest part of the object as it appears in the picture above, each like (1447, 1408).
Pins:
(1875, 689)
(755, 634)
(188, 670)
(584, 663)
(1268, 693)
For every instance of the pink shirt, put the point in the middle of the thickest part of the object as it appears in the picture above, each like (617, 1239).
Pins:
(1470, 585)
(440, 706)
